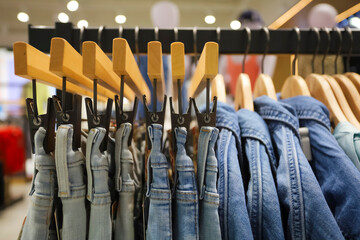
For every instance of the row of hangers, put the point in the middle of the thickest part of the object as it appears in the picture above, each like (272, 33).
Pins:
(92, 73)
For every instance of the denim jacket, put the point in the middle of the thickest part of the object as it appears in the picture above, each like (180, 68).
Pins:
(338, 177)
(305, 212)
(262, 198)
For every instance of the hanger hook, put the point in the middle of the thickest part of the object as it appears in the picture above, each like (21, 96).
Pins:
(349, 32)
(136, 33)
(156, 33)
(248, 43)
(176, 34)
(267, 37)
(81, 38)
(327, 32)
(298, 38)
(317, 35)
(339, 48)
(121, 30)
(195, 43)
(99, 37)
(218, 34)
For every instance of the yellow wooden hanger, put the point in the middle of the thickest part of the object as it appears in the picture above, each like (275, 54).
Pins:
(264, 84)
(218, 88)
(31, 63)
(124, 65)
(155, 67)
(177, 68)
(65, 61)
(295, 85)
(243, 93)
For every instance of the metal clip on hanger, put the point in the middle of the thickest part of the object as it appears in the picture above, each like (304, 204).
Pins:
(206, 70)
(155, 73)
(178, 74)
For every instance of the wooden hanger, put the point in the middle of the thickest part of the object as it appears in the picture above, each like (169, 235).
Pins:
(218, 88)
(207, 68)
(65, 61)
(155, 67)
(124, 64)
(355, 79)
(264, 84)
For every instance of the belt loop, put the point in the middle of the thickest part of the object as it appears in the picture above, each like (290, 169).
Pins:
(63, 138)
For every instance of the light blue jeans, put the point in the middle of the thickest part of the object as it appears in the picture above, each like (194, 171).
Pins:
(70, 172)
(97, 167)
(42, 193)
(124, 184)
(209, 223)
(186, 213)
(158, 189)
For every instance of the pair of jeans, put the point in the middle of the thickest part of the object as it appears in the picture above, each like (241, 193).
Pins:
(42, 192)
(97, 166)
(306, 214)
(158, 189)
(234, 219)
(186, 213)
(338, 177)
(262, 199)
(124, 184)
(207, 170)
(70, 172)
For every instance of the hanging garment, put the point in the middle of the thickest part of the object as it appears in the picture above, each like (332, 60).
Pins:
(42, 193)
(306, 214)
(70, 171)
(158, 189)
(186, 209)
(124, 184)
(338, 177)
(348, 137)
(234, 220)
(262, 199)
(97, 166)
(207, 170)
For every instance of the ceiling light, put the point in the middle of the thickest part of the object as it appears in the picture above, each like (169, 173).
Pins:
(82, 23)
(120, 19)
(23, 17)
(210, 19)
(235, 24)
(63, 17)
(73, 6)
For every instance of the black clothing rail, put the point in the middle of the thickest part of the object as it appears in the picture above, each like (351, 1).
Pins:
(282, 41)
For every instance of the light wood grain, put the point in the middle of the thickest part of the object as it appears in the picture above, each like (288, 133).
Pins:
(66, 61)
(294, 86)
(218, 88)
(124, 64)
(31, 63)
(177, 51)
(355, 78)
(243, 94)
(352, 95)
(207, 68)
(264, 86)
(321, 90)
(96, 65)
(155, 66)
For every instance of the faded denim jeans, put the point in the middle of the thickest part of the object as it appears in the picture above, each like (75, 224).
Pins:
(209, 223)
(186, 215)
(124, 184)
(70, 172)
(97, 166)
(158, 189)
(42, 193)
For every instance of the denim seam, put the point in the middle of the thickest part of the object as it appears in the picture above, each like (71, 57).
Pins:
(313, 115)
(184, 200)
(226, 189)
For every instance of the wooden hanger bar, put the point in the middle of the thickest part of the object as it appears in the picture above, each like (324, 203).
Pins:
(218, 88)
(65, 61)
(124, 64)
(207, 68)
(155, 66)
(96, 65)
(177, 66)
(243, 96)
(31, 63)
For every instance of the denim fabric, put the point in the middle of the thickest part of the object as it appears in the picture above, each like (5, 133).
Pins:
(338, 177)
(262, 198)
(97, 166)
(70, 172)
(234, 219)
(124, 184)
(186, 214)
(158, 188)
(207, 170)
(305, 212)
(348, 137)
(39, 215)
